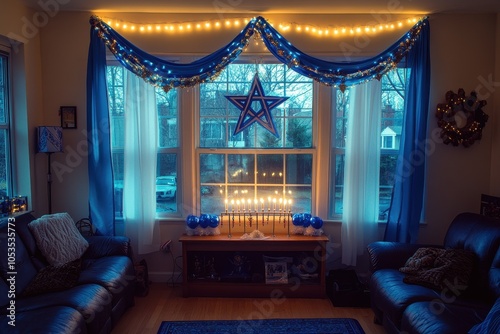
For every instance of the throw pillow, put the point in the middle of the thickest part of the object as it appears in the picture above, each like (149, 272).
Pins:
(439, 268)
(58, 238)
(54, 278)
(422, 259)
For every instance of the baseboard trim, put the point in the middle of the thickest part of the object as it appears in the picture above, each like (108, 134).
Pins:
(165, 276)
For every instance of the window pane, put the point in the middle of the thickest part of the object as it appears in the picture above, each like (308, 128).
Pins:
(167, 118)
(212, 167)
(241, 168)
(299, 133)
(269, 188)
(299, 169)
(301, 198)
(270, 169)
(3, 89)
(166, 183)
(3, 164)
(117, 158)
(5, 177)
(212, 133)
(289, 118)
(338, 185)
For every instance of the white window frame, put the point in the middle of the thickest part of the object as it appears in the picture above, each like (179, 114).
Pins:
(192, 126)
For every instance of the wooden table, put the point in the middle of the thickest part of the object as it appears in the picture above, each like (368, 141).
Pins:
(210, 271)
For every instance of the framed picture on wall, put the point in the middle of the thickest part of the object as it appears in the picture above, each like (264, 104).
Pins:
(68, 117)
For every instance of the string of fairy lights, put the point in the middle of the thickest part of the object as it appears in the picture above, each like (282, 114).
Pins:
(238, 23)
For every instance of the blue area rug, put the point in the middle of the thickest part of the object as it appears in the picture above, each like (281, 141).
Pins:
(266, 326)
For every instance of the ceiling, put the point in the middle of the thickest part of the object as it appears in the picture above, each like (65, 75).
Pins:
(280, 6)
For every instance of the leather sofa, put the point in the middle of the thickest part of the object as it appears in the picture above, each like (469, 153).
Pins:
(457, 308)
(104, 286)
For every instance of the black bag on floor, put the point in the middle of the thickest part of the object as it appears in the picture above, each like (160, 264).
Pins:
(141, 279)
(344, 289)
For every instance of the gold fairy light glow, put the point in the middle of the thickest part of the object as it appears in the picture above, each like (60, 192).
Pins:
(311, 29)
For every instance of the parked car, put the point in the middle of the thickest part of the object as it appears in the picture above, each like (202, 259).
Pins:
(166, 187)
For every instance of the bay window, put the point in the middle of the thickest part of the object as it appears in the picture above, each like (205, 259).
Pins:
(256, 168)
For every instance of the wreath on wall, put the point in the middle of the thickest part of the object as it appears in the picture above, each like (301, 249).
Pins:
(461, 118)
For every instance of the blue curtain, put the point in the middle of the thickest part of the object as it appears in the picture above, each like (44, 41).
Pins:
(101, 190)
(408, 193)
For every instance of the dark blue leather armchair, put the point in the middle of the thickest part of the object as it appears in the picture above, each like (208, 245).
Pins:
(409, 308)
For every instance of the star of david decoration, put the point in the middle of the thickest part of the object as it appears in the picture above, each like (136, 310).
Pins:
(262, 115)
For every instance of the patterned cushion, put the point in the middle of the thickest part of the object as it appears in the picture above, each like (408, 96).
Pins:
(54, 278)
(438, 268)
(58, 238)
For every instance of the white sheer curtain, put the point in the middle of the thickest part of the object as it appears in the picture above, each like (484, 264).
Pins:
(139, 179)
(362, 168)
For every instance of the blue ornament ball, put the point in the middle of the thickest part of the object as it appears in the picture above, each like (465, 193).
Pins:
(214, 221)
(192, 221)
(316, 222)
(297, 219)
(307, 219)
(205, 220)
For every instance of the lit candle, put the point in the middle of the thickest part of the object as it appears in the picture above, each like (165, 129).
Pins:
(243, 203)
(262, 203)
(238, 204)
(232, 205)
(289, 205)
(281, 203)
(226, 204)
(249, 201)
(274, 203)
(284, 205)
(256, 204)
(269, 203)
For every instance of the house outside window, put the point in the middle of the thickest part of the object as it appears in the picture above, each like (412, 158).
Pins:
(5, 144)
(391, 137)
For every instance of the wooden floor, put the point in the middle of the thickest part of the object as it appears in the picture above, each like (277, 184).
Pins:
(165, 302)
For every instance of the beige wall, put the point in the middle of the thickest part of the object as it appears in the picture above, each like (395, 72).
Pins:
(462, 56)
(464, 52)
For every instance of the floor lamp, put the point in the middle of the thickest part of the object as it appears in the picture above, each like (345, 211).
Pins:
(49, 141)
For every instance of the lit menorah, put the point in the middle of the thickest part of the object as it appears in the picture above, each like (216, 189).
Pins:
(252, 219)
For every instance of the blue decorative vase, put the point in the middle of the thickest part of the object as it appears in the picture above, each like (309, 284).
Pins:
(192, 221)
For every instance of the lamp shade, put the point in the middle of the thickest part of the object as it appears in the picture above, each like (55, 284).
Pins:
(49, 139)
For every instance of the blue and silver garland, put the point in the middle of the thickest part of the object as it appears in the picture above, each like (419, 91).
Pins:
(168, 75)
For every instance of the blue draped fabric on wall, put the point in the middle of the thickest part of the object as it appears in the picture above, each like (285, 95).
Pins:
(168, 75)
(101, 190)
(408, 192)
(165, 74)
